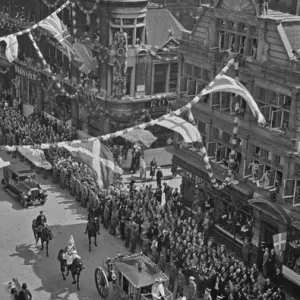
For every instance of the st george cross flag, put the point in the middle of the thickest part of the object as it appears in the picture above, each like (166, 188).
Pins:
(279, 242)
(12, 47)
(95, 155)
(224, 83)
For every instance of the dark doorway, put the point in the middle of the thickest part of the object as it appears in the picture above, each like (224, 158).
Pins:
(269, 231)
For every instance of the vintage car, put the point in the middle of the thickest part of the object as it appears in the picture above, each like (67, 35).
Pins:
(20, 183)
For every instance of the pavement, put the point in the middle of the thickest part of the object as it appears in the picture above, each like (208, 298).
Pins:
(21, 258)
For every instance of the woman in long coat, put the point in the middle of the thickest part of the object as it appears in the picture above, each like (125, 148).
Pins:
(153, 166)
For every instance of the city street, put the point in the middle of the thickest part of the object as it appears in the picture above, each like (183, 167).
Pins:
(22, 259)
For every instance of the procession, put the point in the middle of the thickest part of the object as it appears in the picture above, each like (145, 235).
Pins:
(149, 150)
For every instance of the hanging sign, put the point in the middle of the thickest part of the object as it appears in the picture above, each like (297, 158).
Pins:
(27, 73)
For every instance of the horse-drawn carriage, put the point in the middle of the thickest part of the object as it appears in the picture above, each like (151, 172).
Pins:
(132, 276)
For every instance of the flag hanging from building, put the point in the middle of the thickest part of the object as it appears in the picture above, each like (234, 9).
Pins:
(95, 155)
(224, 83)
(12, 47)
(188, 131)
(59, 31)
(279, 242)
(3, 163)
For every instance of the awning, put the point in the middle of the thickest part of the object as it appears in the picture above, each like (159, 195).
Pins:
(261, 203)
(195, 161)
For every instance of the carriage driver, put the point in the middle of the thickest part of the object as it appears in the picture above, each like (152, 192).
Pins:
(157, 290)
(70, 252)
(41, 221)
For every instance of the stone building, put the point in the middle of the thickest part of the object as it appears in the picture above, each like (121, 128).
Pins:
(265, 199)
(133, 64)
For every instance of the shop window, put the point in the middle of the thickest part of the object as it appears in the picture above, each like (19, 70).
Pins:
(173, 77)
(233, 219)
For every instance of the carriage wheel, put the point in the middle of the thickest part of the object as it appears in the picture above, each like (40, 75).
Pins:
(101, 282)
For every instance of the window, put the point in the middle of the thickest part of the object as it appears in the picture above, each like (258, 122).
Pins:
(291, 189)
(129, 32)
(183, 85)
(191, 87)
(202, 127)
(140, 20)
(216, 133)
(266, 155)
(116, 21)
(160, 75)
(173, 77)
(275, 108)
(297, 169)
(188, 68)
(226, 137)
(128, 21)
(128, 81)
(139, 34)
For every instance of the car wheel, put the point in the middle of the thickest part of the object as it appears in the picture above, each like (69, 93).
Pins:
(42, 202)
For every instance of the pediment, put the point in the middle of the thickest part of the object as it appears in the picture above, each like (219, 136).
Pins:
(239, 6)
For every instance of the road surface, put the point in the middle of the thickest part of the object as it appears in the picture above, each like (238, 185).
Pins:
(22, 259)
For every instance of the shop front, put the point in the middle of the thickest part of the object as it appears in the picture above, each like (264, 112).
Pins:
(27, 86)
(232, 214)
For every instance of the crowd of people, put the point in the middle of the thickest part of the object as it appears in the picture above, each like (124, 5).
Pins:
(179, 244)
(16, 129)
(152, 217)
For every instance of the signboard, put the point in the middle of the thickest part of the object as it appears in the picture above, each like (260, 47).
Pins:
(27, 73)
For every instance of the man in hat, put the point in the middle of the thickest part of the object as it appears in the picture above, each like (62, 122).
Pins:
(192, 288)
(172, 276)
(24, 294)
(207, 295)
(180, 281)
(72, 185)
(83, 193)
(41, 220)
(159, 176)
(157, 290)
(127, 233)
(78, 190)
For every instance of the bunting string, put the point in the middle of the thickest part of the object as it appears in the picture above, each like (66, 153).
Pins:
(74, 18)
(51, 5)
(29, 29)
(85, 10)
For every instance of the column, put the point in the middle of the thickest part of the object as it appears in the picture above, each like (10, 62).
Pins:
(109, 80)
(168, 78)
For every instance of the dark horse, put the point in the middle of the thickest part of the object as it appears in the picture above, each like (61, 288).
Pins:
(44, 233)
(92, 229)
(76, 267)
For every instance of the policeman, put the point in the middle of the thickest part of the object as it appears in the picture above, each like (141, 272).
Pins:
(41, 220)
(78, 190)
(84, 192)
(55, 174)
(127, 234)
(192, 288)
(72, 184)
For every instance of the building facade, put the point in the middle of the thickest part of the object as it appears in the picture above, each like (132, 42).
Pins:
(129, 71)
(266, 196)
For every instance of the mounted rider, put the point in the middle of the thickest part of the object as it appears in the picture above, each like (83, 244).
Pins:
(41, 221)
(70, 252)
(93, 215)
